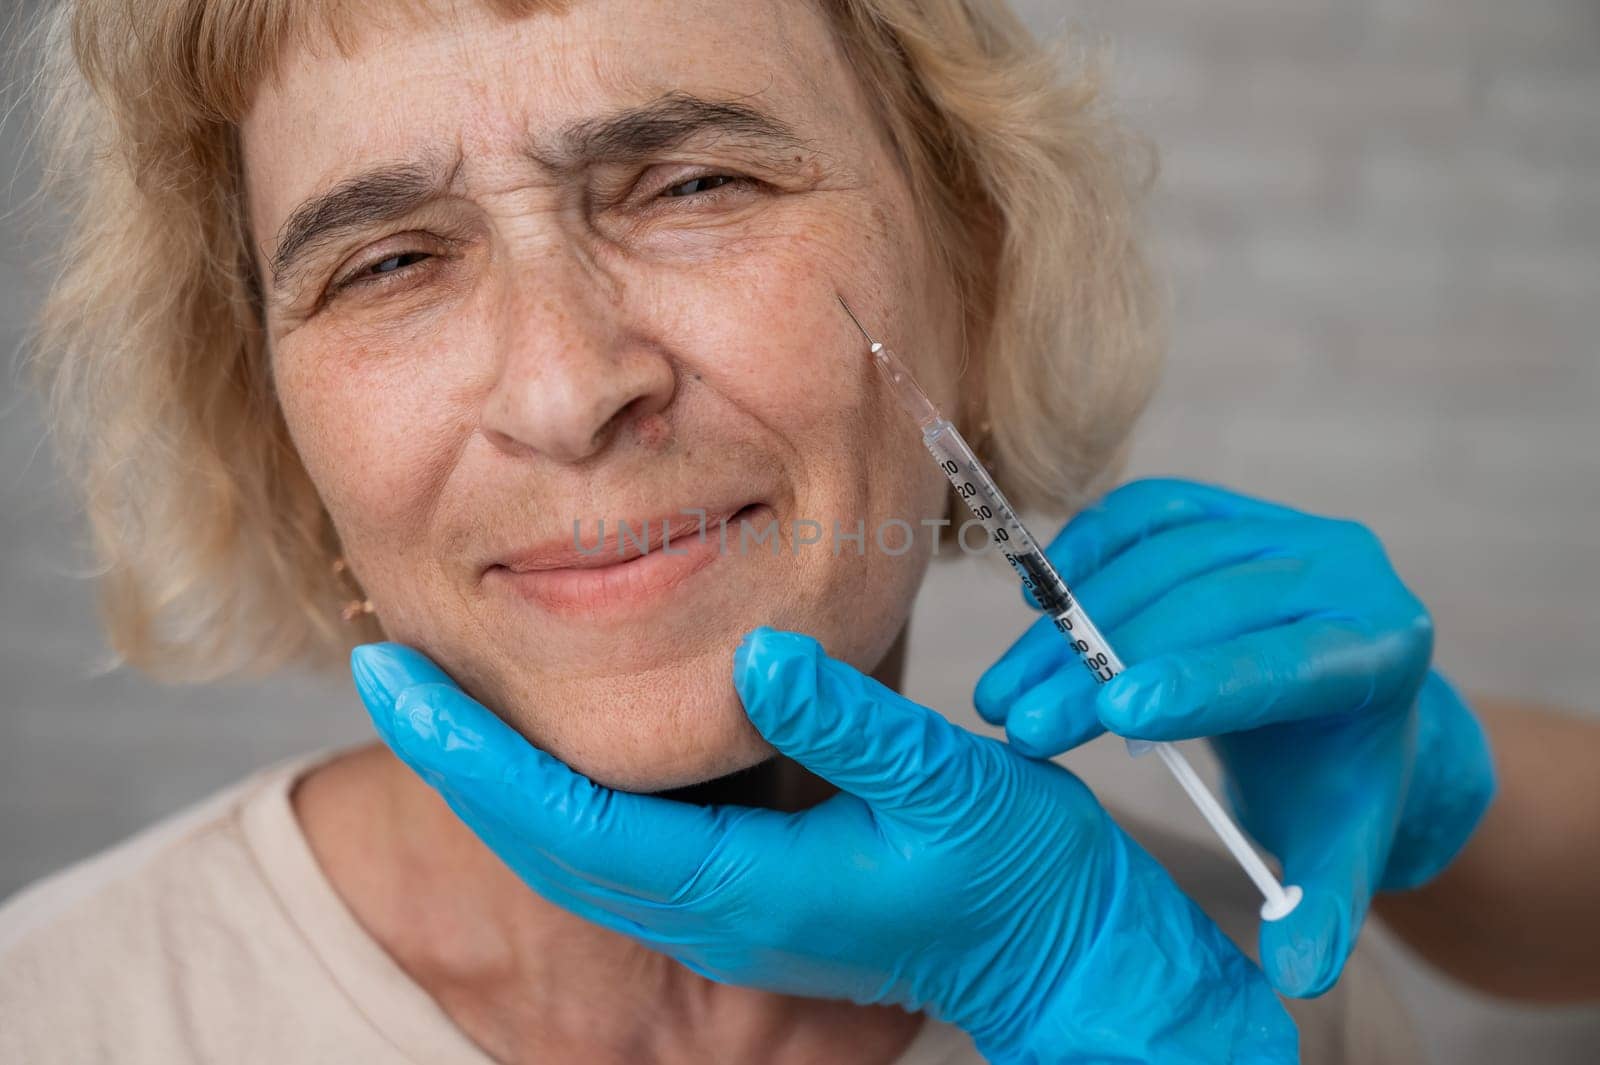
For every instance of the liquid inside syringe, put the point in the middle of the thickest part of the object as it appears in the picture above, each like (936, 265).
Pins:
(983, 497)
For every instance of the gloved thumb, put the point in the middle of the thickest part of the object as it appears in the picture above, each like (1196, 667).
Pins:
(1337, 869)
(381, 672)
(849, 729)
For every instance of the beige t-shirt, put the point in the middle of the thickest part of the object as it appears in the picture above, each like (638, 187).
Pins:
(213, 936)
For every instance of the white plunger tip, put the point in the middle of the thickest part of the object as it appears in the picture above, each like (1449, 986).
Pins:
(1281, 907)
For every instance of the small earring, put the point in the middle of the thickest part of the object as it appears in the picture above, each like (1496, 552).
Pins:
(980, 445)
(353, 608)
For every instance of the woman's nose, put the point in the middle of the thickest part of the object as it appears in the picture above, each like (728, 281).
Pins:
(569, 375)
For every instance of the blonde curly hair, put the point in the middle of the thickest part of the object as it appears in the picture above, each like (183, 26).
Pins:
(215, 551)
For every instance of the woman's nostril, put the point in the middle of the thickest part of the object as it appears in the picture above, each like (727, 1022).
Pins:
(638, 417)
(652, 431)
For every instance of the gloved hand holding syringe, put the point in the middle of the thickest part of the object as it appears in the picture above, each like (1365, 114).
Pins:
(988, 504)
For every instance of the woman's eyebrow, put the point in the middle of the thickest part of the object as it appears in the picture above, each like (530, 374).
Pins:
(395, 190)
(662, 123)
(378, 195)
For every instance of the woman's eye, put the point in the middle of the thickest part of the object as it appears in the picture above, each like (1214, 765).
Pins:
(697, 185)
(393, 263)
(380, 271)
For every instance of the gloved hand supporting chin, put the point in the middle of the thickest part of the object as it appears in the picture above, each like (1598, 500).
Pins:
(949, 874)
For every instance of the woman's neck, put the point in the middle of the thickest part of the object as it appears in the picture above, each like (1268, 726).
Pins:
(527, 980)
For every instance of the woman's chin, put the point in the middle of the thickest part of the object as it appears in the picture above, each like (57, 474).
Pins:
(691, 768)
(662, 751)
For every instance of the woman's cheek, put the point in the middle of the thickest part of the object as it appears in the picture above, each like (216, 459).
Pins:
(368, 443)
(770, 329)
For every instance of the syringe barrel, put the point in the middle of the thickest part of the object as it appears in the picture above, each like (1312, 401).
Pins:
(1006, 532)
(989, 506)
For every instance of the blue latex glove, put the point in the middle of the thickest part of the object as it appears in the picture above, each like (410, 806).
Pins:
(1289, 639)
(949, 874)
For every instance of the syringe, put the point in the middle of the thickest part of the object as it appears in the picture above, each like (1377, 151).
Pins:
(988, 505)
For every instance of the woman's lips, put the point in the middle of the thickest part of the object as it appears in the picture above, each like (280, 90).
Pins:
(615, 572)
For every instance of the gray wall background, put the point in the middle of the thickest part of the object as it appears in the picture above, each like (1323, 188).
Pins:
(1382, 223)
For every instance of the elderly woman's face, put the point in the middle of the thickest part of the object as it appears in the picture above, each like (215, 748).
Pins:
(581, 267)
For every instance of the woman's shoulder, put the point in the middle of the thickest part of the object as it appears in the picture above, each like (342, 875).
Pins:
(109, 948)
(142, 869)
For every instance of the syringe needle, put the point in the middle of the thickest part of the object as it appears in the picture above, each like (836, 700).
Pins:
(853, 318)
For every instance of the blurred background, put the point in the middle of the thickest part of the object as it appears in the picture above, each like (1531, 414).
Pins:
(1381, 221)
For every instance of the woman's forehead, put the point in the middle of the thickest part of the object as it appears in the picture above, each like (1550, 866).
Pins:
(462, 78)
(552, 48)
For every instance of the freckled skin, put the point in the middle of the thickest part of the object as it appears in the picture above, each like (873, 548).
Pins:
(550, 360)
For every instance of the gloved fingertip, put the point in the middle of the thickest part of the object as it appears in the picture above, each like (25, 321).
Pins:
(773, 672)
(1037, 726)
(997, 689)
(383, 670)
(749, 642)
(846, 727)
(368, 669)
(766, 652)
(376, 684)
(1027, 719)
(1305, 952)
(1129, 702)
